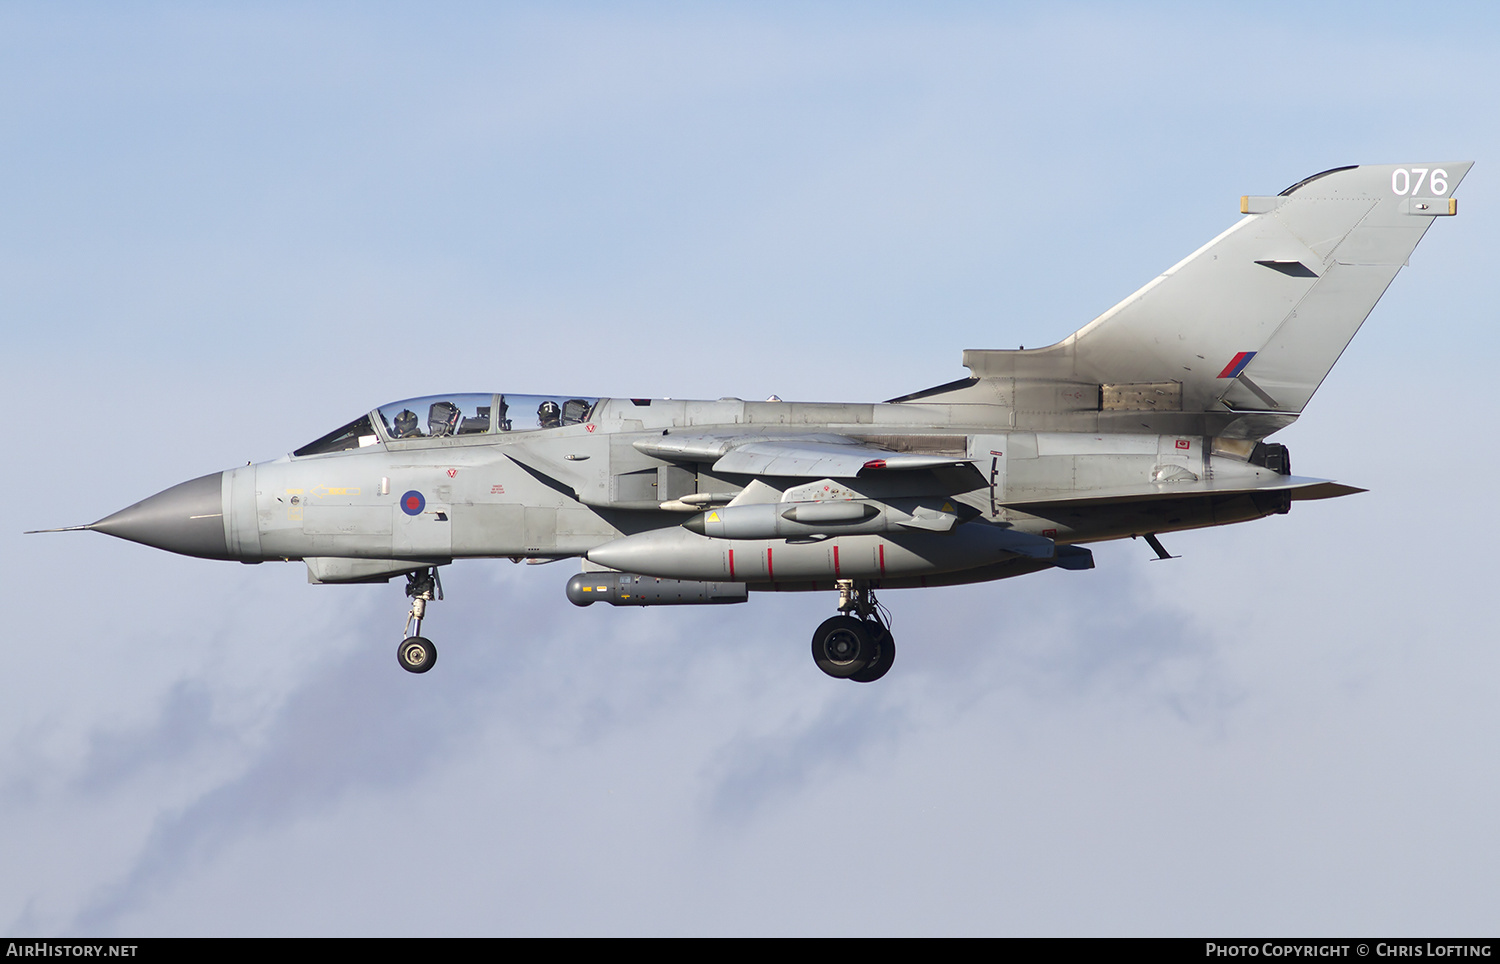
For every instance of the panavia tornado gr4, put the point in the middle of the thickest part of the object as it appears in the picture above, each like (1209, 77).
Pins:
(1152, 418)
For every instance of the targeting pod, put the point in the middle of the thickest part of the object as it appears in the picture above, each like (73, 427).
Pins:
(628, 589)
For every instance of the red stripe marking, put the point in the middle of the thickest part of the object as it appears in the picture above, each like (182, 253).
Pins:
(882, 559)
(835, 561)
(731, 565)
(1232, 362)
(770, 573)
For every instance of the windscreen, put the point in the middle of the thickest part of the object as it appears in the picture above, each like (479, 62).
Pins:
(356, 434)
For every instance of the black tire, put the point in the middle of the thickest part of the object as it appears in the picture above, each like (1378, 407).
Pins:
(841, 647)
(416, 654)
(885, 654)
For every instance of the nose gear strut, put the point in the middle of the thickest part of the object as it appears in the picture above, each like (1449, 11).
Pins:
(416, 654)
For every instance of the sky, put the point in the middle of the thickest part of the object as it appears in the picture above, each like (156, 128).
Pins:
(227, 229)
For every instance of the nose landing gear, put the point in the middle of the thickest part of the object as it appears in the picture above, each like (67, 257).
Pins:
(417, 654)
(860, 646)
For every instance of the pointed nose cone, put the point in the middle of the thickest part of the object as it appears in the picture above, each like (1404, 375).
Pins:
(187, 518)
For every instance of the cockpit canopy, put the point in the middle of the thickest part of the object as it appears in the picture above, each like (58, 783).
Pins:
(439, 416)
(451, 416)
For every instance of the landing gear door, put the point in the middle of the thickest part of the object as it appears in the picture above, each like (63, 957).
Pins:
(988, 455)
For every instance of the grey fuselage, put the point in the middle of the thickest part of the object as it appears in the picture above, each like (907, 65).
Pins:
(573, 489)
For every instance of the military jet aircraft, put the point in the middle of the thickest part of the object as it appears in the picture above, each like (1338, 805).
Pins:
(1152, 418)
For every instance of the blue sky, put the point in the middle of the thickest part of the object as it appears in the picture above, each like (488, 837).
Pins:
(228, 230)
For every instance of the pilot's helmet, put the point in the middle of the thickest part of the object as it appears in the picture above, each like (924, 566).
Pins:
(406, 423)
(549, 413)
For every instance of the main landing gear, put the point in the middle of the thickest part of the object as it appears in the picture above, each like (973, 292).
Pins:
(416, 654)
(857, 644)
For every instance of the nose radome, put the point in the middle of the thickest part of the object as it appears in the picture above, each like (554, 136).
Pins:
(187, 518)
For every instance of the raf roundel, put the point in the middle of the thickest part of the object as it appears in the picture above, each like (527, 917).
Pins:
(412, 503)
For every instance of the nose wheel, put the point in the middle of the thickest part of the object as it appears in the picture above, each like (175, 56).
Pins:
(417, 654)
(857, 644)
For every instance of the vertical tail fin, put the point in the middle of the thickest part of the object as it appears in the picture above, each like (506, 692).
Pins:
(1255, 319)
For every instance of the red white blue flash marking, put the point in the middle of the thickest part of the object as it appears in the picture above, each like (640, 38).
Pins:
(1237, 364)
